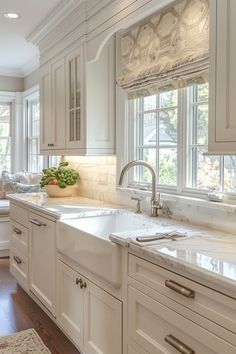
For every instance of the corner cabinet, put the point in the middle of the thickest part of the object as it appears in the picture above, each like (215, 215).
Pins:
(77, 103)
(222, 118)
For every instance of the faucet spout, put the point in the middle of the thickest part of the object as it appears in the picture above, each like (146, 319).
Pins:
(155, 200)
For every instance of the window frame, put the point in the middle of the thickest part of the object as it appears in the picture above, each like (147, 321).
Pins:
(126, 149)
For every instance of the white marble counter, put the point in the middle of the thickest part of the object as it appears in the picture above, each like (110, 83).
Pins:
(61, 208)
(203, 253)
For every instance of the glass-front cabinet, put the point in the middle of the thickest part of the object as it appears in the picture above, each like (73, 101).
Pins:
(75, 125)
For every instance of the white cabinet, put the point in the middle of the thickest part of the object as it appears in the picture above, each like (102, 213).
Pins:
(222, 118)
(42, 260)
(77, 103)
(88, 314)
(52, 106)
(159, 330)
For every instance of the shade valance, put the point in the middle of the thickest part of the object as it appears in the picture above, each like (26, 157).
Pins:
(169, 49)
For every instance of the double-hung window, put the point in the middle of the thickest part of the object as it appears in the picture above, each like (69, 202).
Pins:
(170, 131)
(5, 137)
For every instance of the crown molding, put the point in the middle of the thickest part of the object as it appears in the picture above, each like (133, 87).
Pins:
(11, 72)
(60, 12)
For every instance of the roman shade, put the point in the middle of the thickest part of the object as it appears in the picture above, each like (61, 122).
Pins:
(167, 50)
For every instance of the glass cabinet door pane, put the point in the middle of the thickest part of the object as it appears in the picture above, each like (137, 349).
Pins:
(77, 81)
(72, 85)
(77, 125)
(72, 135)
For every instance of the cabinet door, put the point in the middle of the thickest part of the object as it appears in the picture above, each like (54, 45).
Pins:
(75, 119)
(58, 104)
(45, 94)
(70, 303)
(75, 115)
(160, 330)
(222, 119)
(42, 260)
(102, 321)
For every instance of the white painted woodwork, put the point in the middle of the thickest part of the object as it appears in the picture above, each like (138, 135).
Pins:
(19, 237)
(4, 234)
(207, 302)
(149, 322)
(58, 104)
(102, 322)
(75, 109)
(100, 93)
(70, 303)
(19, 267)
(45, 95)
(19, 214)
(222, 118)
(89, 315)
(42, 261)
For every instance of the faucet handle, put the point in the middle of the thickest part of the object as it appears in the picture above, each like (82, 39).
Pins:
(138, 199)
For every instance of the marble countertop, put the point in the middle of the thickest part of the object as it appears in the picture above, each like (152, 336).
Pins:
(62, 208)
(204, 253)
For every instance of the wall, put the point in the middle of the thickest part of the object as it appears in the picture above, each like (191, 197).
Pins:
(98, 181)
(31, 80)
(11, 84)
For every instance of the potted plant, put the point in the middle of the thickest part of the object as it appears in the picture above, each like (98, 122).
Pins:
(59, 182)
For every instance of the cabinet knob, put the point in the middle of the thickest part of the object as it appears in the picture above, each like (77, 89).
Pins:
(17, 260)
(17, 231)
(83, 285)
(78, 281)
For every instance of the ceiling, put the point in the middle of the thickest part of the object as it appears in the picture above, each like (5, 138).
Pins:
(16, 53)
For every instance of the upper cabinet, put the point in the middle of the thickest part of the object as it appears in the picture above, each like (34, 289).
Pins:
(77, 103)
(222, 119)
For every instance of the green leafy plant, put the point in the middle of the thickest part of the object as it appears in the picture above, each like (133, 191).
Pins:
(62, 176)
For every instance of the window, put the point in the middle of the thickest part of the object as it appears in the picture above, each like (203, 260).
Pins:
(170, 131)
(35, 161)
(5, 137)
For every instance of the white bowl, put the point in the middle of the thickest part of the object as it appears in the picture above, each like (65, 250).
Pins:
(57, 192)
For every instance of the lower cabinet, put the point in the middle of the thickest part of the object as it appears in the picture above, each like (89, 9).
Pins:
(88, 314)
(42, 250)
(160, 330)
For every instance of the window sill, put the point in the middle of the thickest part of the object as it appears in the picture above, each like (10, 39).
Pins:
(186, 200)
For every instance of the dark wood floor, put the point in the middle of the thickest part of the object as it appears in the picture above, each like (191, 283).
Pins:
(18, 312)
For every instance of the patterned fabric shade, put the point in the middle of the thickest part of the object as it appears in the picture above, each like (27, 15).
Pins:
(166, 51)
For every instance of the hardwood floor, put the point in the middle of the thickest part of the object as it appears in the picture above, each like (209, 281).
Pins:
(18, 312)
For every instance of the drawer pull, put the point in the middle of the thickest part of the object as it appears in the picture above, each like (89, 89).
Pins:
(37, 223)
(78, 281)
(17, 231)
(179, 289)
(17, 260)
(178, 345)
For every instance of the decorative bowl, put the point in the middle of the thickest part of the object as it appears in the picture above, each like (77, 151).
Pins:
(57, 192)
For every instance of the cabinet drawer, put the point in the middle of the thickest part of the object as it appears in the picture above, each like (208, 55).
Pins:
(159, 330)
(19, 215)
(19, 267)
(216, 307)
(19, 237)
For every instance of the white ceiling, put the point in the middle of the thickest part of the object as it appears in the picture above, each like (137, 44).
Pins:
(16, 53)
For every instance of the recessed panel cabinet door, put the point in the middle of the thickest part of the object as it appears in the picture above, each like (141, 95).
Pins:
(46, 126)
(222, 117)
(102, 322)
(42, 260)
(70, 303)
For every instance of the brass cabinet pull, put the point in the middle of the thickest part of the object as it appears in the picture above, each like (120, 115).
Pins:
(37, 223)
(84, 285)
(180, 289)
(178, 345)
(17, 231)
(17, 260)
(78, 281)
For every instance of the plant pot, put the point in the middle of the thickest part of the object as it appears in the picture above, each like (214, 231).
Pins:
(57, 192)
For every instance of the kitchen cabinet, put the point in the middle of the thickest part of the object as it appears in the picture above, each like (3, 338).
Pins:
(77, 103)
(88, 314)
(52, 106)
(42, 260)
(222, 118)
